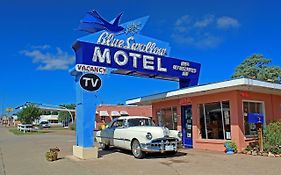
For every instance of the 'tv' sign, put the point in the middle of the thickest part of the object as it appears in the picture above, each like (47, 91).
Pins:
(90, 82)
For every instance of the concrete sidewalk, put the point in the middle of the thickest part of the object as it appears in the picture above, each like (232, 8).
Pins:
(25, 155)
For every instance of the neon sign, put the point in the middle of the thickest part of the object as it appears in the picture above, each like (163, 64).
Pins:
(130, 53)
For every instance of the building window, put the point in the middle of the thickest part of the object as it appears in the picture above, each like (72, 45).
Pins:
(167, 117)
(215, 120)
(251, 107)
(103, 118)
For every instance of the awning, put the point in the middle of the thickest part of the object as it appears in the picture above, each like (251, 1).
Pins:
(53, 119)
(115, 114)
(124, 113)
(104, 113)
(241, 84)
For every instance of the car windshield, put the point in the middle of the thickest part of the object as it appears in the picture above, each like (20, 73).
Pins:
(140, 122)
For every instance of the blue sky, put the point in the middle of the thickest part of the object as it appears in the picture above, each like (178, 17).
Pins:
(36, 39)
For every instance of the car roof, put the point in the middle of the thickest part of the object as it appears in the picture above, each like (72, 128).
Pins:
(132, 117)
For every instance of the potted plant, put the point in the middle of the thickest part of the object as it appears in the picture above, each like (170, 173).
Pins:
(52, 155)
(230, 147)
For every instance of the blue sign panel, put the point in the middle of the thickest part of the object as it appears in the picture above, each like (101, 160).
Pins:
(122, 47)
(134, 62)
(255, 118)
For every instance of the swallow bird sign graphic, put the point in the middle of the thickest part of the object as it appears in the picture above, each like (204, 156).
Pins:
(93, 23)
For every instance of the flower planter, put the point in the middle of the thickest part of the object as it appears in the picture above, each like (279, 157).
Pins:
(229, 147)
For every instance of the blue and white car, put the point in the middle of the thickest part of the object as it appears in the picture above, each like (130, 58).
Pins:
(140, 135)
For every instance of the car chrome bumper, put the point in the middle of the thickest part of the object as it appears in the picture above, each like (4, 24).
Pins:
(159, 147)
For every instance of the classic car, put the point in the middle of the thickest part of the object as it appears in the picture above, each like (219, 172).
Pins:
(138, 134)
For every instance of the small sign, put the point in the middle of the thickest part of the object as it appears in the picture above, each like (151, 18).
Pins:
(228, 135)
(255, 118)
(90, 69)
(90, 82)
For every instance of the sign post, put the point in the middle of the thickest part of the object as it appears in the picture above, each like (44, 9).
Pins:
(258, 119)
(260, 140)
(85, 118)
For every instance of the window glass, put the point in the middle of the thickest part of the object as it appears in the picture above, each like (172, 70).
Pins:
(251, 107)
(215, 120)
(202, 121)
(117, 123)
(226, 119)
(140, 122)
(167, 117)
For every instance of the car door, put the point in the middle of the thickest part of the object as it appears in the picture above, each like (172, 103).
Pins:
(116, 133)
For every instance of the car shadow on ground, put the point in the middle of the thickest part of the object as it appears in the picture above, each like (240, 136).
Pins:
(113, 150)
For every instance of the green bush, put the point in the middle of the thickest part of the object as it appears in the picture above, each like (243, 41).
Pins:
(272, 137)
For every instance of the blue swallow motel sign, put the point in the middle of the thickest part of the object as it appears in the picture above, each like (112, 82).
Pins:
(123, 50)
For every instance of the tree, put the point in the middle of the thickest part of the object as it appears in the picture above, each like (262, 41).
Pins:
(257, 67)
(64, 115)
(29, 114)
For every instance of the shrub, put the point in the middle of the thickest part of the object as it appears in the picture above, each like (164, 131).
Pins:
(272, 137)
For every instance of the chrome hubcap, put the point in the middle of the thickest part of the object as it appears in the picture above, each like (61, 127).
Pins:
(136, 149)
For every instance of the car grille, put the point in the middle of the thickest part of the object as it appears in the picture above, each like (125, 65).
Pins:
(164, 141)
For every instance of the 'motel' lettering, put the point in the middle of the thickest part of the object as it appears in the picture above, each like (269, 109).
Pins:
(121, 58)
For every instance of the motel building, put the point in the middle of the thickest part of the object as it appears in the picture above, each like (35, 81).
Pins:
(210, 114)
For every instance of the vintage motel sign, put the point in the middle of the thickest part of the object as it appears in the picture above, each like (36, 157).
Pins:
(122, 49)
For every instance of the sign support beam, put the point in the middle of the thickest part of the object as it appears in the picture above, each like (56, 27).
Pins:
(85, 119)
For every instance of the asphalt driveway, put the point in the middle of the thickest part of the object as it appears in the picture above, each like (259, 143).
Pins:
(24, 155)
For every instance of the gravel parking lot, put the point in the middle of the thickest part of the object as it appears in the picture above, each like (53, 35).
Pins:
(25, 155)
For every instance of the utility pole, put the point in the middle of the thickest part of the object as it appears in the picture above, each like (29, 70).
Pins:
(2, 106)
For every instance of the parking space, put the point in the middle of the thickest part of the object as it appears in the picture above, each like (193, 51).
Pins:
(25, 155)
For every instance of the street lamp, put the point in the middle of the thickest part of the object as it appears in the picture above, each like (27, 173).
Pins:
(72, 119)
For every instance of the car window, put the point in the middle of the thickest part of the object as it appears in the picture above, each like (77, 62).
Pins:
(140, 122)
(117, 123)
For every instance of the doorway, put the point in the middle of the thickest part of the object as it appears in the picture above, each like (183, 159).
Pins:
(186, 121)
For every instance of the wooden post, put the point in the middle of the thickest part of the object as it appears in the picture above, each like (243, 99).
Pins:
(260, 136)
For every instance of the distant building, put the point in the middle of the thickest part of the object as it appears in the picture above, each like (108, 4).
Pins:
(8, 120)
(52, 119)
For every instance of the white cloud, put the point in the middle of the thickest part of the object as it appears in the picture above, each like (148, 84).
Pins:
(206, 21)
(205, 40)
(201, 33)
(182, 23)
(227, 22)
(45, 46)
(47, 60)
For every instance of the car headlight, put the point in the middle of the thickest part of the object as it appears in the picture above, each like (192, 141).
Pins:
(179, 134)
(149, 136)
